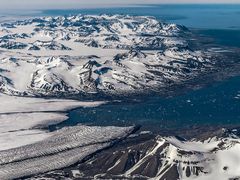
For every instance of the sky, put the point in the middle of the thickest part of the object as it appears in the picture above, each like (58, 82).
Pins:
(59, 4)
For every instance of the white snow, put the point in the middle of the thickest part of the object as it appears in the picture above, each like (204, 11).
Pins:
(64, 148)
(21, 118)
(55, 52)
(13, 104)
(215, 158)
(16, 129)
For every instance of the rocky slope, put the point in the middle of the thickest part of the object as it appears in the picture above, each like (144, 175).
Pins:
(147, 156)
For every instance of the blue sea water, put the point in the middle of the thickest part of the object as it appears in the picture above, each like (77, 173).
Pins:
(219, 21)
(215, 105)
(205, 16)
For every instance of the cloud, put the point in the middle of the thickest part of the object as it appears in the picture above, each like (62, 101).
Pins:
(56, 4)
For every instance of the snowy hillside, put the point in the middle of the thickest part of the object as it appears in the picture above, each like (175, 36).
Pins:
(147, 156)
(95, 54)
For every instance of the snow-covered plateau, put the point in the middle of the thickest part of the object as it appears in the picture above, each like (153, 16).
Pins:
(96, 54)
(71, 56)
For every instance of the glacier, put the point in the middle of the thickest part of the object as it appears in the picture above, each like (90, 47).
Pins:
(25, 120)
(64, 148)
(149, 156)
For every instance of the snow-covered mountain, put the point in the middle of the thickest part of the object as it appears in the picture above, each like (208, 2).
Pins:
(147, 156)
(110, 55)
(95, 54)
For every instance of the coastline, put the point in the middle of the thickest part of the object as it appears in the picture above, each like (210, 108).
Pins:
(38, 122)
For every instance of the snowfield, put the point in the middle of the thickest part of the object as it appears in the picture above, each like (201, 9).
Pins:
(83, 54)
(87, 55)
(13, 104)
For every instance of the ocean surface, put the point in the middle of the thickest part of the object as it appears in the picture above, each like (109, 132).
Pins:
(215, 105)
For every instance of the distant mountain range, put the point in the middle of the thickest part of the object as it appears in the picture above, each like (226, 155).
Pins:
(95, 54)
